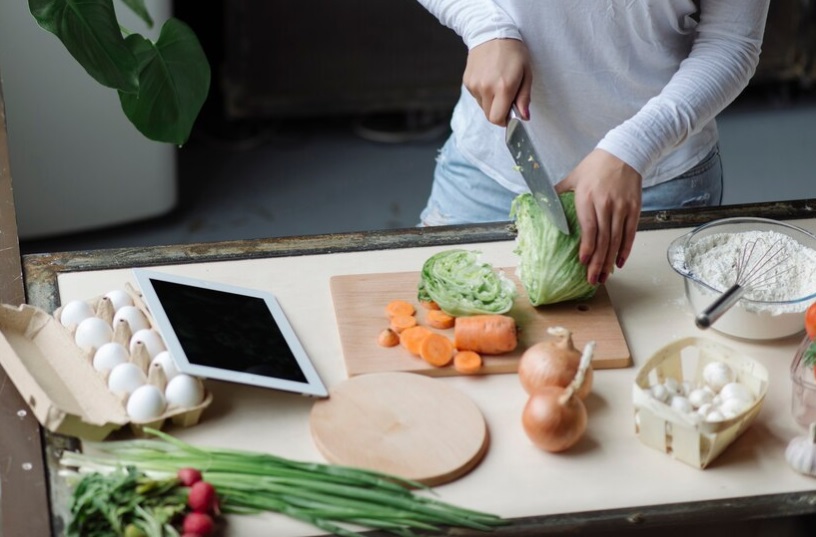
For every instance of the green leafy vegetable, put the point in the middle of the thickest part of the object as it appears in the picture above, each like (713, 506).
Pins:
(326, 496)
(124, 501)
(549, 268)
(461, 284)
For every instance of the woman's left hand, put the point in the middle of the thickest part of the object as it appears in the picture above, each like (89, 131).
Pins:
(608, 203)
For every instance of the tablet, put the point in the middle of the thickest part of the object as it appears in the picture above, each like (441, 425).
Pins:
(235, 334)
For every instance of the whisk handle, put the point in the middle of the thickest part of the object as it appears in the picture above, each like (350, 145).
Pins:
(717, 308)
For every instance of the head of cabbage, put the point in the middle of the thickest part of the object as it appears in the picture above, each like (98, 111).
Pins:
(549, 268)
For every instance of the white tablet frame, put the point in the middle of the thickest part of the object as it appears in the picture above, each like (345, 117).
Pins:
(313, 386)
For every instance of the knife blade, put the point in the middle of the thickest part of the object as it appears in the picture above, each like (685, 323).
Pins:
(521, 148)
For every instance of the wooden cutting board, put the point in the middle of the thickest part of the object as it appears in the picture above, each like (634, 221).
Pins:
(360, 300)
(410, 426)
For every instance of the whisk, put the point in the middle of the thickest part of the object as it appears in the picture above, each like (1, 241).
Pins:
(754, 268)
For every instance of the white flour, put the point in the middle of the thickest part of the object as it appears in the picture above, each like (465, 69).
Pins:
(781, 268)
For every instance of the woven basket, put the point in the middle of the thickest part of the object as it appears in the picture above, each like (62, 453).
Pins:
(691, 441)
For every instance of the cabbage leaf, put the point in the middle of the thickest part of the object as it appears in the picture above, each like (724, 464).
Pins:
(549, 268)
(461, 284)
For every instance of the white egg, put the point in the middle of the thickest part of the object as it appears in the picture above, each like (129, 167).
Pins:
(109, 356)
(735, 390)
(74, 312)
(660, 393)
(700, 396)
(134, 317)
(93, 332)
(151, 339)
(184, 391)
(717, 374)
(681, 404)
(125, 378)
(686, 387)
(734, 407)
(166, 361)
(715, 415)
(146, 403)
(119, 299)
(672, 386)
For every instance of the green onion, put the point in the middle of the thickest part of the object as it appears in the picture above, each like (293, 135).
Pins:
(323, 495)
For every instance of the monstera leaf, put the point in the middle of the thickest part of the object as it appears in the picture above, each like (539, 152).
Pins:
(162, 86)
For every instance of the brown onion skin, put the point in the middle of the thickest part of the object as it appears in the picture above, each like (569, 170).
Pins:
(553, 426)
(547, 364)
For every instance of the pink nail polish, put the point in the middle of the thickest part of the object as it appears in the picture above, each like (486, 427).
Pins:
(620, 262)
(602, 278)
(584, 259)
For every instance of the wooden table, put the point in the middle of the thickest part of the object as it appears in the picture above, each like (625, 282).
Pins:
(613, 483)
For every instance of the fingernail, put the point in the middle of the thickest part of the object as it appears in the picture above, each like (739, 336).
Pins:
(584, 259)
(593, 280)
(602, 278)
(620, 262)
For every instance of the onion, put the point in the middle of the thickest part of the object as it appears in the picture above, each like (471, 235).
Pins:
(555, 418)
(553, 362)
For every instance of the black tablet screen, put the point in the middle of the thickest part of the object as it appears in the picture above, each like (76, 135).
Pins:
(227, 331)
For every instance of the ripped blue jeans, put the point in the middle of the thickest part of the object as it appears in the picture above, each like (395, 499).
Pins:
(463, 194)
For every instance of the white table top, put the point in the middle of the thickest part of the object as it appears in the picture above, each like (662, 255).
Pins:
(608, 469)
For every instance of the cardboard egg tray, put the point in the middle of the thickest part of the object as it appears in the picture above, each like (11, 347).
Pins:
(59, 383)
(659, 426)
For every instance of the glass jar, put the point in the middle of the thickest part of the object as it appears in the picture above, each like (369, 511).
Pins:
(803, 384)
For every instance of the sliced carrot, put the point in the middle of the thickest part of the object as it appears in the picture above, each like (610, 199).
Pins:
(430, 305)
(400, 322)
(388, 338)
(467, 362)
(399, 307)
(485, 334)
(437, 350)
(439, 319)
(411, 338)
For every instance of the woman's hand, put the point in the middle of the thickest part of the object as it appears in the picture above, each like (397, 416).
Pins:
(608, 202)
(497, 74)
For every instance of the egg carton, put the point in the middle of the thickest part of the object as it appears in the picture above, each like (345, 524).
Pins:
(56, 377)
(685, 436)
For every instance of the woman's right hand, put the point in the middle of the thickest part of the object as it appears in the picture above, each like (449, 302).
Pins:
(498, 73)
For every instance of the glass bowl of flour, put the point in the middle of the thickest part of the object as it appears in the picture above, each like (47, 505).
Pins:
(773, 261)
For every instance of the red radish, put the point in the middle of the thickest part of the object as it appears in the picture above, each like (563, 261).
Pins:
(202, 497)
(198, 524)
(188, 476)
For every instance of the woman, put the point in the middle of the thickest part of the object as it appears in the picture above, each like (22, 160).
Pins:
(620, 96)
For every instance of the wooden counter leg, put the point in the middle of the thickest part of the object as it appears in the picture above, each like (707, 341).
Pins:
(23, 491)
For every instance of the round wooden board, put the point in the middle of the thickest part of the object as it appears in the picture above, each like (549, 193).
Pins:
(405, 424)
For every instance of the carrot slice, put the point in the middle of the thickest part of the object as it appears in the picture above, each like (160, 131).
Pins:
(430, 305)
(411, 338)
(485, 334)
(399, 307)
(400, 322)
(439, 319)
(388, 338)
(467, 362)
(437, 350)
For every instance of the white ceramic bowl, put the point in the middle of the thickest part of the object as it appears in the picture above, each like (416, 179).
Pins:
(748, 319)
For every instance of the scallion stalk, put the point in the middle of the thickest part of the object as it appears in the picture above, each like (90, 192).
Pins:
(323, 495)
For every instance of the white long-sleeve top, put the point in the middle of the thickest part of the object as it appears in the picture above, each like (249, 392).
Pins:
(641, 79)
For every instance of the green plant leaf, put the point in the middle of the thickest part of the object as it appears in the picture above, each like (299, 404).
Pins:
(139, 8)
(173, 83)
(90, 32)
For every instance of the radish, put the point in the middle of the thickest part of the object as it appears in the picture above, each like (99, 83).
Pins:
(188, 476)
(202, 497)
(198, 524)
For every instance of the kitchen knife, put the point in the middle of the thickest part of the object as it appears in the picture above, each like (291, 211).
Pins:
(527, 163)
